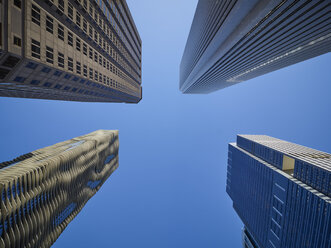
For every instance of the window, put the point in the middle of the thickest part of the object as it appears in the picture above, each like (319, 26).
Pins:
(78, 19)
(57, 73)
(70, 39)
(35, 49)
(95, 36)
(85, 70)
(85, 49)
(77, 44)
(61, 6)
(90, 31)
(60, 32)
(18, 3)
(96, 75)
(90, 51)
(85, 26)
(49, 24)
(67, 76)
(70, 64)
(104, 62)
(60, 60)
(85, 4)
(70, 11)
(17, 41)
(95, 56)
(49, 54)
(19, 79)
(46, 69)
(31, 65)
(91, 73)
(78, 67)
(100, 60)
(91, 10)
(35, 14)
(50, 2)
(100, 21)
(35, 82)
(96, 16)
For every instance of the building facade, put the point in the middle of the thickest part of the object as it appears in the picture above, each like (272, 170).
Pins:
(248, 240)
(69, 50)
(281, 191)
(236, 40)
(42, 191)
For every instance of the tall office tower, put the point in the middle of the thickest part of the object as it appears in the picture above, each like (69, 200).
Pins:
(281, 191)
(44, 190)
(73, 50)
(236, 40)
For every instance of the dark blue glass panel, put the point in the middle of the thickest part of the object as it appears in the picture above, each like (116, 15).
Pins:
(35, 82)
(46, 70)
(19, 79)
(109, 158)
(31, 65)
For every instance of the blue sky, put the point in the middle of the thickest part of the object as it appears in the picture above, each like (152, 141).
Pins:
(169, 189)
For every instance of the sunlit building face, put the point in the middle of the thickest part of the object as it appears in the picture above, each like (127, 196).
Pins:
(43, 191)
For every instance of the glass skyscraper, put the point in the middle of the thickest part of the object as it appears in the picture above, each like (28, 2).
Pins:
(42, 191)
(281, 191)
(236, 40)
(69, 50)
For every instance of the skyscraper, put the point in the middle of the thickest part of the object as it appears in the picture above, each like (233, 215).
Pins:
(42, 191)
(69, 50)
(281, 191)
(236, 40)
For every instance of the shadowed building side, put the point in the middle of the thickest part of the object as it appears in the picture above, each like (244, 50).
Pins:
(281, 192)
(69, 50)
(236, 40)
(248, 240)
(42, 191)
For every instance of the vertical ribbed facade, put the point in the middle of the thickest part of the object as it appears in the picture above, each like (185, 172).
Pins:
(42, 191)
(248, 240)
(236, 40)
(281, 191)
(72, 50)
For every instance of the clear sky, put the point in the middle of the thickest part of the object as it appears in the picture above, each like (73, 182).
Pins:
(169, 189)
